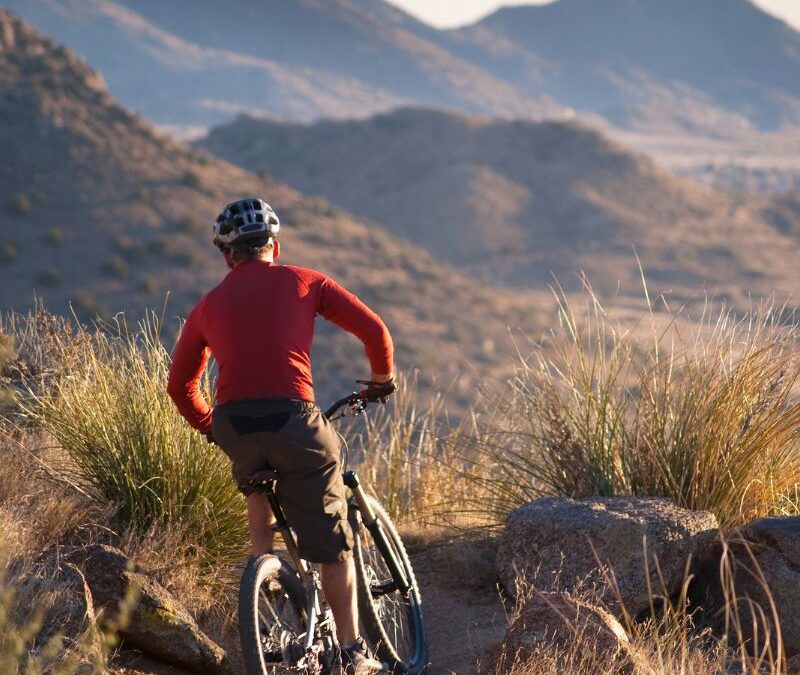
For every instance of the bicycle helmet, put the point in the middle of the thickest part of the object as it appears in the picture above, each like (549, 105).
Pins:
(246, 219)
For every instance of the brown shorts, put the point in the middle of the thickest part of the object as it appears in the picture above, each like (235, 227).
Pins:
(296, 440)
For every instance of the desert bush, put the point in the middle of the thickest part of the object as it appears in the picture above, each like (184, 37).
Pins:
(89, 308)
(9, 250)
(49, 277)
(129, 447)
(54, 236)
(117, 267)
(144, 194)
(701, 412)
(192, 180)
(19, 204)
(150, 286)
(190, 224)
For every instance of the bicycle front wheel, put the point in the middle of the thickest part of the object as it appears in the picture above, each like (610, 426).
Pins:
(272, 616)
(392, 620)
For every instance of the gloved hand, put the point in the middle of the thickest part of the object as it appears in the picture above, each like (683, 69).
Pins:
(379, 390)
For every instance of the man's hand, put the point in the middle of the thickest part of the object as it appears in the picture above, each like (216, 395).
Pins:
(380, 387)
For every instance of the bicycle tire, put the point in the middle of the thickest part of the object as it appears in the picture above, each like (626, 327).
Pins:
(269, 583)
(392, 622)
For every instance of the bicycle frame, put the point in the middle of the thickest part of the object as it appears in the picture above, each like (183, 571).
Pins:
(308, 575)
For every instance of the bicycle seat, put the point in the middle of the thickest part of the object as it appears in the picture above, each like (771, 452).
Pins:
(262, 477)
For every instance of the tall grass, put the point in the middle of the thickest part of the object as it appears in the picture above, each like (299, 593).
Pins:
(401, 453)
(702, 412)
(105, 404)
(673, 640)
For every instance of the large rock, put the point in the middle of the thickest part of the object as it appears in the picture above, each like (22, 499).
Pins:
(761, 569)
(586, 636)
(68, 623)
(158, 625)
(561, 544)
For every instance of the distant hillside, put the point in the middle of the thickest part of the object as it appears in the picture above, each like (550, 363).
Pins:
(703, 66)
(515, 202)
(98, 210)
(706, 67)
(198, 62)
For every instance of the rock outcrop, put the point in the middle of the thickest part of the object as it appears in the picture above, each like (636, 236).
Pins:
(585, 635)
(608, 545)
(68, 621)
(761, 569)
(158, 624)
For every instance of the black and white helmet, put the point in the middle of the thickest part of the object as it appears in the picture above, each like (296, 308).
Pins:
(246, 219)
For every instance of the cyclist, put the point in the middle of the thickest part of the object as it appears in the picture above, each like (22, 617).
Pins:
(258, 323)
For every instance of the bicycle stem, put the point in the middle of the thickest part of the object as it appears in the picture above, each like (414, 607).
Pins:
(372, 523)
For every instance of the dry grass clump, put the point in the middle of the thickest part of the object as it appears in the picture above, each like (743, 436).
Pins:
(700, 412)
(44, 628)
(105, 405)
(678, 638)
(400, 451)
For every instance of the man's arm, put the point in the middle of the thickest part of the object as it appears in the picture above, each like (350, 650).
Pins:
(188, 363)
(348, 312)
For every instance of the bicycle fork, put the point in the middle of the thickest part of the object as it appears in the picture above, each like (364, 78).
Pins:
(372, 523)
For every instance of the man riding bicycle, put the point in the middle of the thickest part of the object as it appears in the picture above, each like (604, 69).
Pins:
(258, 323)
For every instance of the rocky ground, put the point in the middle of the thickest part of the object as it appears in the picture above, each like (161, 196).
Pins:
(465, 617)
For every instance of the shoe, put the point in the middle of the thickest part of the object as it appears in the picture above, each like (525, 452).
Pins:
(356, 660)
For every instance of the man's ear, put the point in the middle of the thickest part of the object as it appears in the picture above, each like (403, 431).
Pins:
(276, 249)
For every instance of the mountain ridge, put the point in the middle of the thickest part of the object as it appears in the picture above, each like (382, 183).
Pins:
(101, 213)
(516, 202)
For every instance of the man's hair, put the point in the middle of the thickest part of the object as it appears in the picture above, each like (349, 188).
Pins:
(250, 249)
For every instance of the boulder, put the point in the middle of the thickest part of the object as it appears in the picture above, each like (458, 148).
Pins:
(68, 622)
(761, 563)
(158, 625)
(586, 636)
(605, 545)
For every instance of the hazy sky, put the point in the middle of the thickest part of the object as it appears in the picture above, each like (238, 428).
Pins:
(449, 13)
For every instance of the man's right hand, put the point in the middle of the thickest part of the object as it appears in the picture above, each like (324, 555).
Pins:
(380, 387)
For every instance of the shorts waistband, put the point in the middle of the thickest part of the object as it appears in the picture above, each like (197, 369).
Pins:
(269, 405)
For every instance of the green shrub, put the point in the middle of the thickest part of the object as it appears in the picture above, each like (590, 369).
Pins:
(117, 267)
(190, 224)
(150, 286)
(88, 308)
(54, 236)
(131, 448)
(19, 204)
(9, 250)
(7, 350)
(701, 413)
(192, 180)
(144, 194)
(49, 277)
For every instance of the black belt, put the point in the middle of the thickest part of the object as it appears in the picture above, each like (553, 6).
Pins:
(266, 406)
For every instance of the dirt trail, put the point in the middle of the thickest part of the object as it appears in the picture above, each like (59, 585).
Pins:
(463, 613)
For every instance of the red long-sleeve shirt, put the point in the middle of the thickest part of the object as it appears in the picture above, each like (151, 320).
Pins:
(259, 323)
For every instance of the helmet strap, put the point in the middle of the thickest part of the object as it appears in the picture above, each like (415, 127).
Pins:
(276, 249)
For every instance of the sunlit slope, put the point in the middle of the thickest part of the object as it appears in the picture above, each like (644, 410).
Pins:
(517, 202)
(101, 211)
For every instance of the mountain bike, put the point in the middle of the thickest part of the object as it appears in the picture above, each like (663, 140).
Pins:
(285, 625)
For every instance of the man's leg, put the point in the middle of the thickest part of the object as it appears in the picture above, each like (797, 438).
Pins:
(260, 520)
(339, 586)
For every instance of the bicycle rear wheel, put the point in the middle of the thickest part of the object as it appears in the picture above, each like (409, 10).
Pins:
(392, 620)
(272, 616)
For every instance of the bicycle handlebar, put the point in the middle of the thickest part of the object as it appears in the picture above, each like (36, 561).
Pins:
(355, 399)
